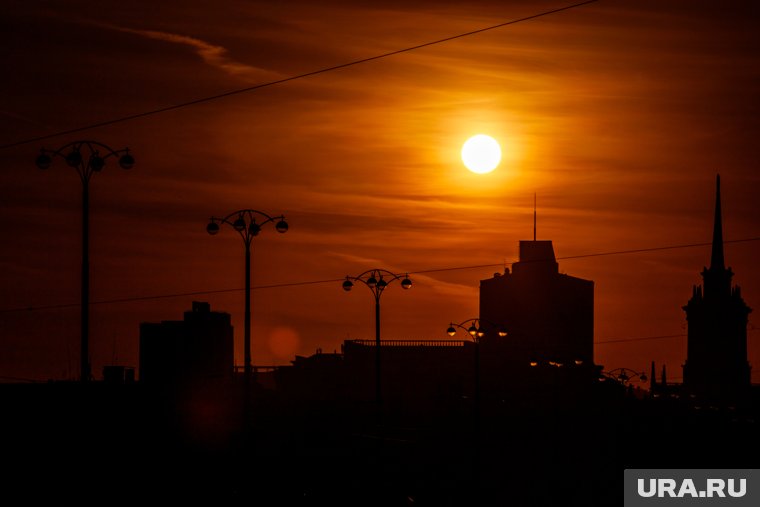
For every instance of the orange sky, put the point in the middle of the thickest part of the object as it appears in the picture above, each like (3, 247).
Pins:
(617, 114)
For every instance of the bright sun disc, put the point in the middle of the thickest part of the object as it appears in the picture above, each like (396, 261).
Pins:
(481, 154)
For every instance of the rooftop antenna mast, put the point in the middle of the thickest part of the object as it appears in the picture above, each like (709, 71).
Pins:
(534, 216)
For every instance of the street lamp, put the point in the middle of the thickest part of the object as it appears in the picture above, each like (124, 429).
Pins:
(248, 223)
(377, 280)
(87, 158)
(624, 376)
(476, 330)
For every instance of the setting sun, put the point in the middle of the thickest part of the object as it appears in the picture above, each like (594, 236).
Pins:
(481, 154)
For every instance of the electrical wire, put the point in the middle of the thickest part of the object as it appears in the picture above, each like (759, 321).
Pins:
(335, 280)
(640, 338)
(751, 329)
(288, 79)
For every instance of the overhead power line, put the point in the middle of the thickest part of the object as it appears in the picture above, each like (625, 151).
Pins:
(288, 79)
(335, 280)
(583, 256)
(167, 296)
(655, 249)
(640, 338)
(751, 329)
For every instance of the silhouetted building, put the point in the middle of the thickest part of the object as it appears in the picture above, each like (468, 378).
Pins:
(318, 377)
(716, 362)
(417, 375)
(549, 348)
(195, 349)
(549, 316)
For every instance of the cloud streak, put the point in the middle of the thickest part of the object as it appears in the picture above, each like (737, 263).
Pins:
(211, 54)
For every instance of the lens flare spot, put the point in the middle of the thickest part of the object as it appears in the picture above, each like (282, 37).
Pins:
(284, 342)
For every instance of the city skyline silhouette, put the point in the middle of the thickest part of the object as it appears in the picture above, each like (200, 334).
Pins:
(348, 118)
(520, 385)
(375, 182)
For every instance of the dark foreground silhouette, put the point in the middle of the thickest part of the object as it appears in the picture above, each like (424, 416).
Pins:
(97, 443)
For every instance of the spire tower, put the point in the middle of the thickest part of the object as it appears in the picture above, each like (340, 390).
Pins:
(716, 367)
(716, 259)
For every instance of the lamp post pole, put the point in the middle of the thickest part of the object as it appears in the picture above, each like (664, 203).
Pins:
(377, 280)
(87, 158)
(476, 330)
(248, 223)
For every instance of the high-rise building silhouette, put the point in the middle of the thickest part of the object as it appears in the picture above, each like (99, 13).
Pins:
(549, 316)
(197, 348)
(716, 362)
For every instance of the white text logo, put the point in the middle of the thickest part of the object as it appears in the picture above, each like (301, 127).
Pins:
(670, 487)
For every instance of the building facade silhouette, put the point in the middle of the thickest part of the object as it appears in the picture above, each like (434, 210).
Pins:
(716, 365)
(196, 349)
(548, 315)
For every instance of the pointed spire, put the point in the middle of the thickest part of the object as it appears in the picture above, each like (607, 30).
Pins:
(716, 260)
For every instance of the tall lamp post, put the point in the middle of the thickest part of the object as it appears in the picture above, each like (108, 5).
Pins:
(377, 280)
(476, 330)
(474, 327)
(248, 223)
(86, 158)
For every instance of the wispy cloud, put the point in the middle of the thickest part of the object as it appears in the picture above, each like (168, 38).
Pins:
(211, 54)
